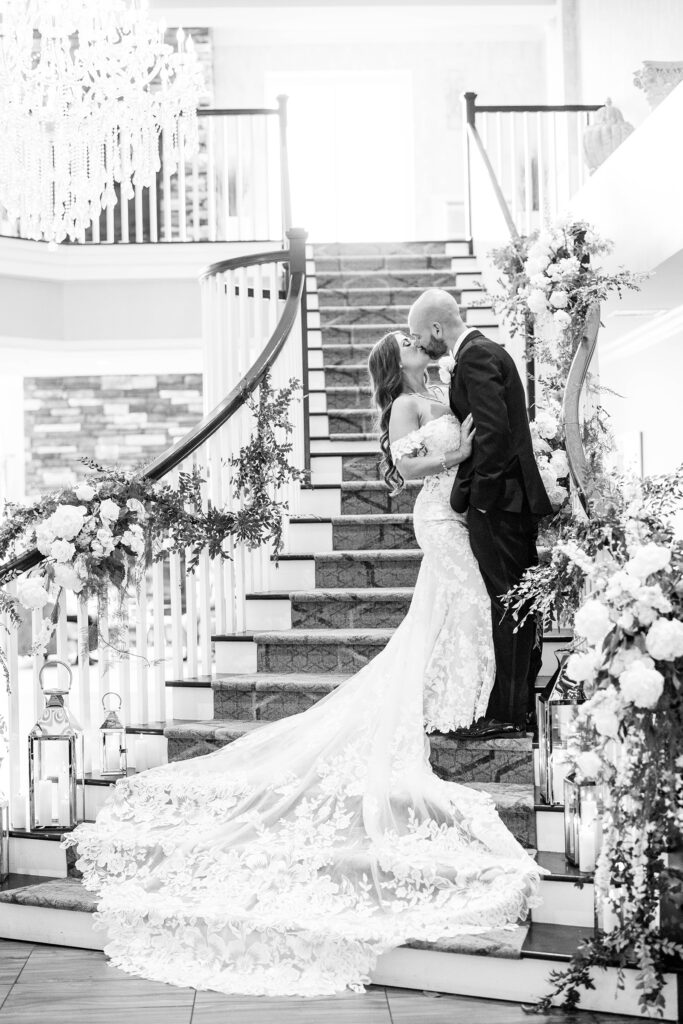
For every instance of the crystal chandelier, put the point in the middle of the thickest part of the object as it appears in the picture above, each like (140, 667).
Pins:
(86, 87)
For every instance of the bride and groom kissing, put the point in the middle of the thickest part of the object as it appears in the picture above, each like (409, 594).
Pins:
(286, 862)
(497, 489)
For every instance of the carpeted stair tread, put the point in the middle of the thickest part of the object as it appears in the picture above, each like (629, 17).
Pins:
(382, 554)
(352, 594)
(54, 893)
(355, 486)
(312, 637)
(300, 681)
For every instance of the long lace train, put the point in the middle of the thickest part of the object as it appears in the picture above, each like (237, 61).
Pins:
(288, 861)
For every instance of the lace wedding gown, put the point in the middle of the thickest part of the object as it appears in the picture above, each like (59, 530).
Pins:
(286, 862)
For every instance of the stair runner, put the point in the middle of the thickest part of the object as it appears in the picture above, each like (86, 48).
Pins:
(362, 590)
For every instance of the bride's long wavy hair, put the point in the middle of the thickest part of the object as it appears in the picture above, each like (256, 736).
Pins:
(384, 364)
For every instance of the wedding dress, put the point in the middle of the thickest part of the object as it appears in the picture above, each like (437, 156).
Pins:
(288, 861)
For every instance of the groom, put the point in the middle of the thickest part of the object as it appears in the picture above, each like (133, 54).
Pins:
(499, 487)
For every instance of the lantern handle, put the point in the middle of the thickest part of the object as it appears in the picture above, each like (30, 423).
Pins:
(112, 693)
(49, 664)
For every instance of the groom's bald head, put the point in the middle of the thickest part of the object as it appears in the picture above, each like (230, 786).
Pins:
(434, 321)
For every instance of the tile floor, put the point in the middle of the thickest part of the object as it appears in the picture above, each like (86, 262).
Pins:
(64, 986)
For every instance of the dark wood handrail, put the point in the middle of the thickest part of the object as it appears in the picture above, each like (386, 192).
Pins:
(472, 108)
(235, 111)
(295, 256)
(576, 378)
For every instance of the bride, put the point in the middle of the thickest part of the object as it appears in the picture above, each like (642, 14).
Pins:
(288, 861)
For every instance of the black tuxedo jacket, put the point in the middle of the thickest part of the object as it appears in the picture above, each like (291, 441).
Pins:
(501, 473)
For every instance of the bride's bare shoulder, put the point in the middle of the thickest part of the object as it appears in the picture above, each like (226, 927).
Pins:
(404, 416)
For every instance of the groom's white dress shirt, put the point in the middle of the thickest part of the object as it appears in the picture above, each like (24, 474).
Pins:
(461, 338)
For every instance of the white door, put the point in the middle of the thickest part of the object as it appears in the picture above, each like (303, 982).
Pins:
(351, 153)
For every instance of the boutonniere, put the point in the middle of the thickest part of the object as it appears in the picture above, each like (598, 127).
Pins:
(446, 367)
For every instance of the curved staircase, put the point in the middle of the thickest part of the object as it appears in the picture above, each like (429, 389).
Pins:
(335, 597)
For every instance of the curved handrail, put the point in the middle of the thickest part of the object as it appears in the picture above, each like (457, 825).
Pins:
(576, 378)
(295, 256)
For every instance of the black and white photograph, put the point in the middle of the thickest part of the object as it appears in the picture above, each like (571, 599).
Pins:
(341, 511)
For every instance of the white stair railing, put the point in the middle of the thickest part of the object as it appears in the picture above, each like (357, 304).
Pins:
(163, 633)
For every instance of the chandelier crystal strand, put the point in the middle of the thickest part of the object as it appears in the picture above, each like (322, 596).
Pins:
(78, 80)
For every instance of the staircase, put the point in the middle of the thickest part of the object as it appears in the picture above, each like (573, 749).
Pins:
(337, 594)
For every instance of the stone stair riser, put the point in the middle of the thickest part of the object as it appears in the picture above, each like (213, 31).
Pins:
(372, 502)
(347, 537)
(321, 657)
(501, 761)
(354, 397)
(347, 376)
(357, 614)
(361, 466)
(356, 573)
(387, 279)
(345, 355)
(361, 422)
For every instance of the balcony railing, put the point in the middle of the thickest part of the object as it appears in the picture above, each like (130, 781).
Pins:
(536, 153)
(235, 188)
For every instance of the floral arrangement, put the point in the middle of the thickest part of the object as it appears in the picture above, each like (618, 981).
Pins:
(549, 282)
(105, 531)
(628, 657)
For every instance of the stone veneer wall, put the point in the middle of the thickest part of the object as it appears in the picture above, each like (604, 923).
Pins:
(118, 420)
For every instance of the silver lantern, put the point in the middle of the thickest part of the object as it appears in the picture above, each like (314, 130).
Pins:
(556, 710)
(582, 822)
(55, 760)
(113, 757)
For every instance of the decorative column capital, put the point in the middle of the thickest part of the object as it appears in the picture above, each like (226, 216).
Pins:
(657, 78)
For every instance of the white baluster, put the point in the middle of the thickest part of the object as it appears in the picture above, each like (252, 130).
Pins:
(514, 195)
(142, 656)
(166, 193)
(182, 191)
(152, 200)
(16, 729)
(211, 177)
(225, 141)
(542, 200)
(159, 670)
(239, 180)
(123, 199)
(82, 705)
(139, 236)
(528, 195)
(553, 193)
(196, 234)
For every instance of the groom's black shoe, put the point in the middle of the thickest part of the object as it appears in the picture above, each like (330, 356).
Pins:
(491, 728)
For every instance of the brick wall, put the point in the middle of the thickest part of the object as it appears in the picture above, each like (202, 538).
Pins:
(124, 421)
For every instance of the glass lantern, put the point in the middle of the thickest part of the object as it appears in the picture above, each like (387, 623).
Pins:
(557, 707)
(113, 759)
(55, 760)
(4, 839)
(582, 822)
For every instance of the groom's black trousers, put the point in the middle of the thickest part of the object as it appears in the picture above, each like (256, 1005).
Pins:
(504, 544)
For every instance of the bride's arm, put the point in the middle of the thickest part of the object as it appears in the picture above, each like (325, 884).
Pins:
(404, 419)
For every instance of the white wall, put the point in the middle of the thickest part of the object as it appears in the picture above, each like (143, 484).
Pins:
(503, 64)
(615, 37)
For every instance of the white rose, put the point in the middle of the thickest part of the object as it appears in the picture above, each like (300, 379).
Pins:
(42, 638)
(535, 267)
(582, 666)
(66, 521)
(136, 506)
(67, 577)
(62, 550)
(109, 511)
(625, 657)
(558, 495)
(604, 710)
(641, 686)
(31, 593)
(536, 301)
(546, 424)
(648, 559)
(446, 367)
(559, 299)
(622, 584)
(664, 639)
(592, 621)
(539, 281)
(105, 539)
(558, 461)
(562, 319)
(44, 538)
(568, 266)
(134, 541)
(588, 764)
(84, 492)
